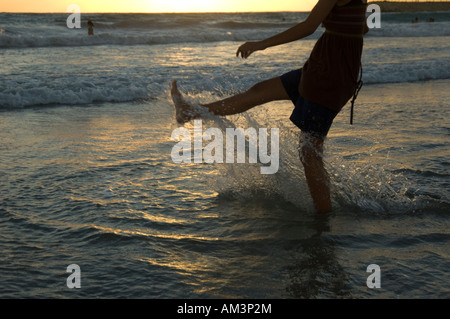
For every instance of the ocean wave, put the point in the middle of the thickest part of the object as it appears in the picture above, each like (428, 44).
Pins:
(68, 96)
(81, 93)
(411, 30)
(120, 39)
(408, 71)
(155, 33)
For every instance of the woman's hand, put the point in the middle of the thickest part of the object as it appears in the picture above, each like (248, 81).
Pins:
(248, 48)
(297, 32)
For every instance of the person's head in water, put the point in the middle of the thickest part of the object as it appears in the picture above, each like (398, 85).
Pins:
(91, 28)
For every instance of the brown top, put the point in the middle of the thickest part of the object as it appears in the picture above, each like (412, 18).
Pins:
(330, 75)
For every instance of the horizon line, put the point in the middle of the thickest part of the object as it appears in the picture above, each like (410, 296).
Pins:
(154, 12)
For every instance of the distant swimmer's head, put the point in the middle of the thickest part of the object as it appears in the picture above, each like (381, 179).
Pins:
(90, 23)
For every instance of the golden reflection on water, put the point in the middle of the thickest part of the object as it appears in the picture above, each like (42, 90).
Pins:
(151, 234)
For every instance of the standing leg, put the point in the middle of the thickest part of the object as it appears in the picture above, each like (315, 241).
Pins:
(261, 93)
(311, 155)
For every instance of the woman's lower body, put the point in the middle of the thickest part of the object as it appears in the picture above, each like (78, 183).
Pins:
(314, 120)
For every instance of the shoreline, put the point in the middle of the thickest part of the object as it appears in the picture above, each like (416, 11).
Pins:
(389, 6)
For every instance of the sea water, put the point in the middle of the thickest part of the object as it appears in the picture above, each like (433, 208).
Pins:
(87, 178)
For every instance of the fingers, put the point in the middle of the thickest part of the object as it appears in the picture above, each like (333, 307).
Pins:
(244, 51)
(244, 54)
(239, 51)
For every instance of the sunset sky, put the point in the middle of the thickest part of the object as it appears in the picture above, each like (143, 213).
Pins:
(157, 5)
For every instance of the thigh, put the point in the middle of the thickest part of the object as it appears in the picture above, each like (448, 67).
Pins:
(270, 90)
(291, 82)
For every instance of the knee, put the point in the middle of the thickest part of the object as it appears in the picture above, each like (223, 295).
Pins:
(309, 155)
(304, 155)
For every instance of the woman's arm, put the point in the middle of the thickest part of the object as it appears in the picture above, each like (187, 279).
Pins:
(297, 32)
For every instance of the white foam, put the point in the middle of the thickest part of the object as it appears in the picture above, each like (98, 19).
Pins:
(408, 71)
(21, 97)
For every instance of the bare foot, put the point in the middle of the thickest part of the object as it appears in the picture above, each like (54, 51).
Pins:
(184, 111)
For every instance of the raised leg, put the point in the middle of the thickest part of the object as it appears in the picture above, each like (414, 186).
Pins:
(261, 93)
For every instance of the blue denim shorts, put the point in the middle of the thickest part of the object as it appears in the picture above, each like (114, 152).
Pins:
(310, 117)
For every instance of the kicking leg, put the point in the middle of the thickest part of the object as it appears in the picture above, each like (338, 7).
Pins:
(260, 93)
(311, 154)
